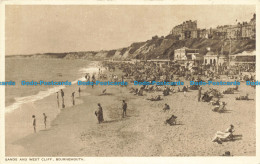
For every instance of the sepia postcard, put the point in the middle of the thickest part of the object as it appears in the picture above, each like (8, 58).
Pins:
(129, 82)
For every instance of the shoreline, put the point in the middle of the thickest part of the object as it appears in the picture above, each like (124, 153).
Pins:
(40, 94)
(22, 126)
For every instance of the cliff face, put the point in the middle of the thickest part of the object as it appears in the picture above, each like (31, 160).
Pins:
(157, 48)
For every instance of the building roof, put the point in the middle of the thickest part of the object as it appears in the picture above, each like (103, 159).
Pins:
(210, 53)
(246, 53)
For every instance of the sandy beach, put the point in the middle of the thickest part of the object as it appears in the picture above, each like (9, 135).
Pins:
(74, 131)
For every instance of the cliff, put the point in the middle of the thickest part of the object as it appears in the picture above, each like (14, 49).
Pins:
(157, 47)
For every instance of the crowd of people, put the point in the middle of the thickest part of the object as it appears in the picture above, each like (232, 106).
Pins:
(152, 72)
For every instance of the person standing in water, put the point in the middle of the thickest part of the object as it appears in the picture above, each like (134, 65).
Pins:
(58, 99)
(45, 119)
(73, 100)
(62, 96)
(79, 91)
(34, 123)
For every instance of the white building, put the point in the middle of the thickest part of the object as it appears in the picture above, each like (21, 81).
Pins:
(214, 59)
(185, 54)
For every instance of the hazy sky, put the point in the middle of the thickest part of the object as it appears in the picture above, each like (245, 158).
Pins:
(64, 28)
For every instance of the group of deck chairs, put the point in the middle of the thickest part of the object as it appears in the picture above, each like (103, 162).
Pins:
(218, 106)
(230, 90)
(213, 97)
(210, 94)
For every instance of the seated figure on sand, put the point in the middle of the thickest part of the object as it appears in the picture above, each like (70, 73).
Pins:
(206, 97)
(166, 107)
(172, 120)
(221, 107)
(132, 90)
(166, 91)
(156, 98)
(224, 136)
(215, 102)
(229, 91)
(140, 92)
(242, 97)
(227, 153)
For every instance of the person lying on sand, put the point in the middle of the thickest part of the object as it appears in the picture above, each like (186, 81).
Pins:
(156, 98)
(242, 97)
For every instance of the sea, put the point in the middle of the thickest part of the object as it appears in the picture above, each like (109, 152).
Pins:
(18, 69)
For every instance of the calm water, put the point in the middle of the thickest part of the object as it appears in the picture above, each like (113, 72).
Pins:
(28, 69)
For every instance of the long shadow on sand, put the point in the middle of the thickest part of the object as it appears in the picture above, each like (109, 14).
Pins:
(246, 100)
(237, 137)
(225, 111)
(234, 138)
(44, 130)
(112, 121)
(54, 124)
(106, 94)
(177, 124)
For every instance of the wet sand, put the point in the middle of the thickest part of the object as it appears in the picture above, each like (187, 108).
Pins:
(76, 132)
